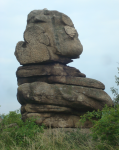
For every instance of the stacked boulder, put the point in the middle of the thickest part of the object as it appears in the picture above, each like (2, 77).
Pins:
(47, 88)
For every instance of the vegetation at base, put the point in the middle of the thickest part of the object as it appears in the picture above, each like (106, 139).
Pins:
(29, 136)
(106, 128)
(16, 135)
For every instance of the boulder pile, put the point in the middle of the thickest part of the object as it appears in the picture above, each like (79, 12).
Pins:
(47, 88)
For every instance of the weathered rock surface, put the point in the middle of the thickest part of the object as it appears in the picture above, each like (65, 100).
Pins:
(40, 108)
(49, 69)
(80, 98)
(68, 80)
(56, 120)
(49, 89)
(70, 31)
(49, 36)
(85, 82)
(36, 108)
(37, 53)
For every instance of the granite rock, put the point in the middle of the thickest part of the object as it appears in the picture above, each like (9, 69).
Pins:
(57, 120)
(36, 108)
(49, 89)
(49, 37)
(48, 70)
(68, 80)
(78, 97)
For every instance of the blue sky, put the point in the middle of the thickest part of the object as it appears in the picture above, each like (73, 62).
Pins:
(97, 22)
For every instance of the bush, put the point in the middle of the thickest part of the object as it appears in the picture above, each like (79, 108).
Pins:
(115, 91)
(17, 135)
(107, 127)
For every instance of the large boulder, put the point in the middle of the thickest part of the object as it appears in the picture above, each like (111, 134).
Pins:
(49, 36)
(78, 97)
(39, 53)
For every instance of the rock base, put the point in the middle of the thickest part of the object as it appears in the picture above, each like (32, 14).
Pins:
(52, 120)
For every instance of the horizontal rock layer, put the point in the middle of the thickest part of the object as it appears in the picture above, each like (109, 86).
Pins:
(55, 69)
(57, 120)
(36, 108)
(80, 98)
(69, 80)
(40, 108)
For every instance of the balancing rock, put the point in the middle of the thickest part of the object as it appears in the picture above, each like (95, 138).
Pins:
(48, 89)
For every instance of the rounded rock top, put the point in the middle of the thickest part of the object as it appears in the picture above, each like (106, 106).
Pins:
(50, 36)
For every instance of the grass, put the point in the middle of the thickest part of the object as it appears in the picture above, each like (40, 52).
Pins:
(29, 136)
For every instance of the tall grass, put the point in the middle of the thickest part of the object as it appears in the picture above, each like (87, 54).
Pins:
(29, 136)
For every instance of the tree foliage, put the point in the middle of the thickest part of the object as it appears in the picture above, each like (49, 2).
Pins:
(107, 126)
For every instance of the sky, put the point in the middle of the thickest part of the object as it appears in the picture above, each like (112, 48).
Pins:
(97, 23)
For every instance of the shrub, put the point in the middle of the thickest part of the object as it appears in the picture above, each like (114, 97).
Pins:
(17, 135)
(107, 127)
(115, 91)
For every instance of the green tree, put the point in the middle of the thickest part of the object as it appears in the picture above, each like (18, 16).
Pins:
(106, 128)
(115, 91)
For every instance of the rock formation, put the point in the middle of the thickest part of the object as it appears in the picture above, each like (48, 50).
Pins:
(47, 88)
